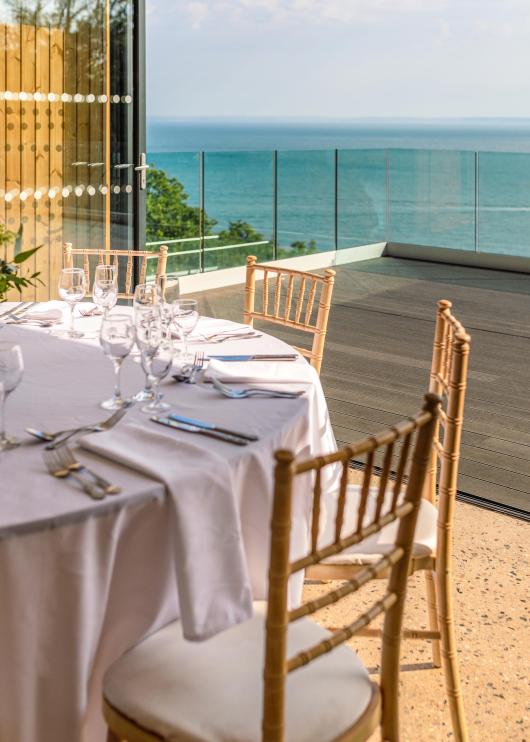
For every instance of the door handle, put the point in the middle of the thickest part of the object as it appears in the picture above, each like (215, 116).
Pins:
(142, 168)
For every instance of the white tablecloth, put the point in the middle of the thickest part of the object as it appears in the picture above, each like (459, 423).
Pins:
(82, 581)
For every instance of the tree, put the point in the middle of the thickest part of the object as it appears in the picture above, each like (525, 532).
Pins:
(170, 217)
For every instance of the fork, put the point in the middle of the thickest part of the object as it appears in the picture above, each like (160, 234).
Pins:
(190, 372)
(100, 427)
(94, 312)
(57, 469)
(69, 461)
(17, 311)
(252, 392)
(42, 435)
(198, 365)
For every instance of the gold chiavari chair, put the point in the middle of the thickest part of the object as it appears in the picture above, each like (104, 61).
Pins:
(313, 688)
(304, 306)
(432, 548)
(120, 258)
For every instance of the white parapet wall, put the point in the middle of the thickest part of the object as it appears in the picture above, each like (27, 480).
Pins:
(229, 276)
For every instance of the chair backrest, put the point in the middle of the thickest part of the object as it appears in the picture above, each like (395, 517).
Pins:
(122, 259)
(305, 305)
(449, 381)
(414, 457)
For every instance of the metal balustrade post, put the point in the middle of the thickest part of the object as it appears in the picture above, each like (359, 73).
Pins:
(477, 202)
(336, 200)
(387, 196)
(275, 204)
(201, 212)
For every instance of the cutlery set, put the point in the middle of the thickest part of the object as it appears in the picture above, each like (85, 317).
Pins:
(61, 463)
(60, 460)
(17, 316)
(54, 440)
(223, 335)
(253, 391)
(190, 373)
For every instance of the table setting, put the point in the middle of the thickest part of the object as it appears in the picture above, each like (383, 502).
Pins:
(121, 510)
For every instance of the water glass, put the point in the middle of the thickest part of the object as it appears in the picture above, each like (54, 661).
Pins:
(11, 370)
(72, 289)
(185, 318)
(117, 339)
(157, 362)
(105, 288)
(147, 294)
(144, 315)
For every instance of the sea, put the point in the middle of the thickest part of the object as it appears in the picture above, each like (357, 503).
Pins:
(462, 184)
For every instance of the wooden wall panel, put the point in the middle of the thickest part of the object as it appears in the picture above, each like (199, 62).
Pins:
(27, 145)
(43, 126)
(52, 118)
(3, 104)
(58, 133)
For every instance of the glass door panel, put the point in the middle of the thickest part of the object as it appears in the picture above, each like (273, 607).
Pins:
(67, 109)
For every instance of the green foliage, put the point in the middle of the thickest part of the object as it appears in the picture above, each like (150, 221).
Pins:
(9, 270)
(170, 216)
(168, 213)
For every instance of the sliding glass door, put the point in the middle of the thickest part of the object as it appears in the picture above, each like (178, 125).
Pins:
(72, 132)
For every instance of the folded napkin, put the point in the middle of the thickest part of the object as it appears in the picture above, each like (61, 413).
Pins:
(43, 315)
(249, 372)
(213, 583)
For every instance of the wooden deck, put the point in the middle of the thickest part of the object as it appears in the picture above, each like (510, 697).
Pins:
(378, 351)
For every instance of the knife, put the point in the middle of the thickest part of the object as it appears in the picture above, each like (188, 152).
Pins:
(211, 426)
(21, 306)
(195, 429)
(256, 357)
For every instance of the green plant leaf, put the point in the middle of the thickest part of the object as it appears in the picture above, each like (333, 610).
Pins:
(23, 256)
(18, 241)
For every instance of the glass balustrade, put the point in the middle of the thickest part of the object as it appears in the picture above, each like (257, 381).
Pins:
(222, 206)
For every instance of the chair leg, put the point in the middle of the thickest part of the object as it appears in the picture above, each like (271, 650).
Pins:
(433, 616)
(449, 655)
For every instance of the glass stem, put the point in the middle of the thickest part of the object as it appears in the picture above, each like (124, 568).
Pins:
(148, 383)
(72, 308)
(3, 396)
(117, 370)
(185, 343)
(155, 384)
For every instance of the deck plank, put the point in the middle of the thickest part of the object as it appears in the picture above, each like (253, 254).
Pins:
(378, 351)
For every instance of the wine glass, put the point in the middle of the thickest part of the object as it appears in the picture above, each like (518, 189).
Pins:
(157, 356)
(11, 370)
(72, 288)
(117, 339)
(105, 288)
(146, 295)
(185, 318)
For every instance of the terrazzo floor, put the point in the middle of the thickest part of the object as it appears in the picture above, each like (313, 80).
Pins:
(492, 596)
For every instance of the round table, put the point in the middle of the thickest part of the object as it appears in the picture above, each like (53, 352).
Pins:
(81, 581)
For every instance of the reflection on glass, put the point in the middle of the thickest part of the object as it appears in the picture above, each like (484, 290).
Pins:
(67, 107)
(504, 203)
(432, 198)
(361, 197)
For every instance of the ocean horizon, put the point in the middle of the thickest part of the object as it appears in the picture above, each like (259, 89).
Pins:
(413, 181)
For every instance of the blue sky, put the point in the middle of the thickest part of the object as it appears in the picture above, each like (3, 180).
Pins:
(338, 58)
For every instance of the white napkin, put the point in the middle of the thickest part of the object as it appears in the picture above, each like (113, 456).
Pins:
(213, 583)
(44, 315)
(270, 372)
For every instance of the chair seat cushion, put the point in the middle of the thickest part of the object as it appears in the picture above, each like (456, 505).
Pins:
(212, 691)
(382, 542)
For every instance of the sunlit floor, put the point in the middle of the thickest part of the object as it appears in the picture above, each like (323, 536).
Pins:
(492, 599)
